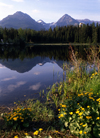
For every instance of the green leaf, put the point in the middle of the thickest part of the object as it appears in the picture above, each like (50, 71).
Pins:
(66, 124)
(96, 131)
(48, 136)
(26, 124)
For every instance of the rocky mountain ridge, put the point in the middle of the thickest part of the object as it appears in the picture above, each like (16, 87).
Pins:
(23, 20)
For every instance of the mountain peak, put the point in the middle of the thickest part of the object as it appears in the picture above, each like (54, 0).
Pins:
(19, 12)
(65, 15)
(20, 20)
(66, 20)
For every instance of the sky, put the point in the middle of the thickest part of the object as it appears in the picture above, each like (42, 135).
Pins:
(51, 10)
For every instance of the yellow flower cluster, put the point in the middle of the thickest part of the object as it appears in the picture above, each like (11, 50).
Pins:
(16, 114)
(85, 93)
(80, 110)
(98, 100)
(93, 74)
(89, 117)
(64, 105)
(37, 131)
(82, 132)
(61, 115)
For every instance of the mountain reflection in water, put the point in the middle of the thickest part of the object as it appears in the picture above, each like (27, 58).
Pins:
(20, 80)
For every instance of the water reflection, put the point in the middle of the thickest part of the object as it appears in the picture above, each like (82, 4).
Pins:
(27, 77)
(27, 70)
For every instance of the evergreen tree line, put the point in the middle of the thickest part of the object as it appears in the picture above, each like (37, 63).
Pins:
(56, 52)
(74, 34)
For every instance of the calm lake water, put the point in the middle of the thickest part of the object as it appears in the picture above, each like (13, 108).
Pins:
(25, 71)
(23, 76)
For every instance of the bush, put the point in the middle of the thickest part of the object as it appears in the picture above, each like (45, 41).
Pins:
(42, 112)
(81, 114)
(18, 118)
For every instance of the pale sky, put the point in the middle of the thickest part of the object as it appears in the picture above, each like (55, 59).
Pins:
(51, 10)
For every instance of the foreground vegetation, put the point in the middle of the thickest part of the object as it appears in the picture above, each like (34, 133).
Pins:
(72, 108)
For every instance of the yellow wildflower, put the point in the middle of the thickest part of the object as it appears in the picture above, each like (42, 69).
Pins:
(22, 120)
(80, 113)
(26, 134)
(85, 132)
(36, 132)
(15, 118)
(77, 112)
(88, 117)
(80, 132)
(84, 125)
(81, 124)
(80, 94)
(64, 106)
(88, 106)
(83, 109)
(16, 136)
(95, 73)
(98, 118)
(98, 99)
(40, 129)
(61, 115)
(56, 131)
(71, 113)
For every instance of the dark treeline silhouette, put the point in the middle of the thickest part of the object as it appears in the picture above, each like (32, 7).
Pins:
(56, 52)
(74, 34)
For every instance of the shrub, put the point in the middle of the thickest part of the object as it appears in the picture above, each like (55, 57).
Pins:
(18, 118)
(81, 114)
(42, 112)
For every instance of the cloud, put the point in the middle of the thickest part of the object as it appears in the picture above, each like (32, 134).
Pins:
(7, 79)
(18, 0)
(0, 90)
(35, 11)
(5, 5)
(18, 84)
(1, 66)
(36, 73)
(35, 87)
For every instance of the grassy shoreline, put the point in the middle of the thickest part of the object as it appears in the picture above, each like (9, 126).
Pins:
(54, 44)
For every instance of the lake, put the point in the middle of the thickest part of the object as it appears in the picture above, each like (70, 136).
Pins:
(26, 72)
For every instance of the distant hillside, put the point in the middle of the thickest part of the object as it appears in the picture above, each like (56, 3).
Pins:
(20, 20)
(87, 21)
